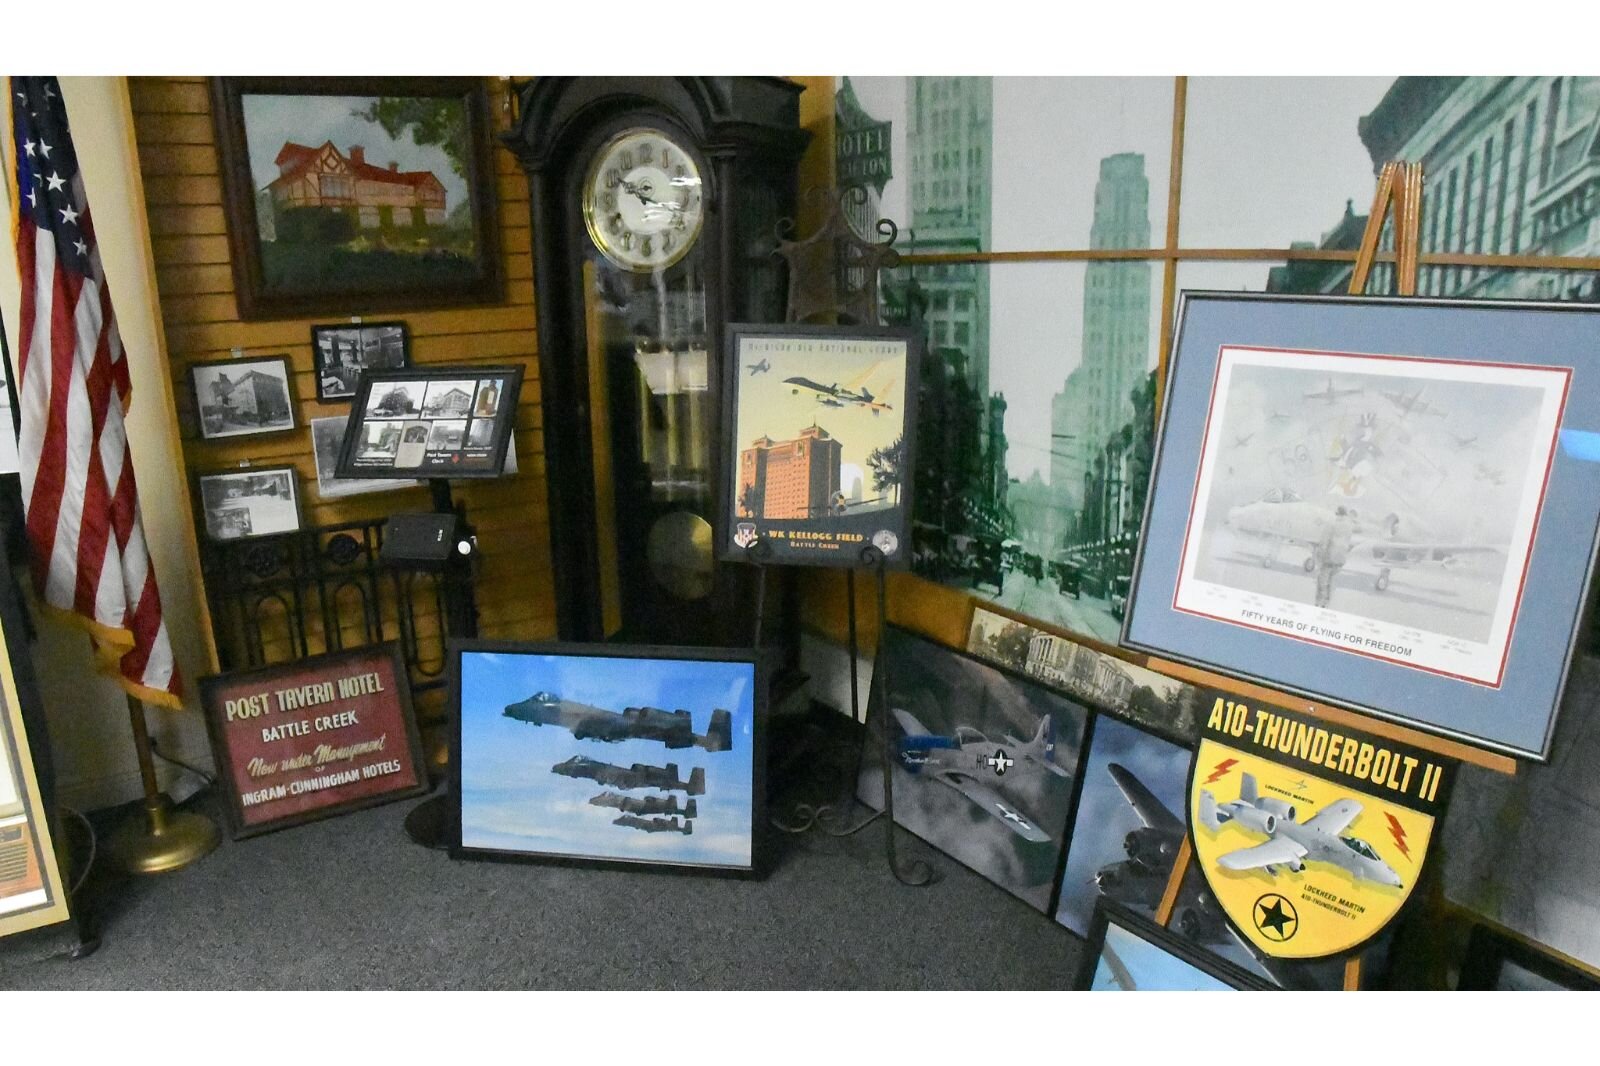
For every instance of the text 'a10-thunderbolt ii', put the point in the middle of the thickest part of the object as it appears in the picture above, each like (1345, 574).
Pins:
(675, 729)
(974, 765)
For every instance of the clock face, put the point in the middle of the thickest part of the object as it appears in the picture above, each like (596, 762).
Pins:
(642, 200)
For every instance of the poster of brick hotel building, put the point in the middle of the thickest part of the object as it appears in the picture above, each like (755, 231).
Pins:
(820, 461)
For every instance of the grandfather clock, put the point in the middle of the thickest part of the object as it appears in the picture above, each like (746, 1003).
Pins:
(655, 207)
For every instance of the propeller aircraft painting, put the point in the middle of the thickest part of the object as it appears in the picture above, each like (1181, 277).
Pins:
(984, 761)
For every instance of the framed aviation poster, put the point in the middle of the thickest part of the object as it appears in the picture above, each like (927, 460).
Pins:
(433, 422)
(1388, 504)
(818, 468)
(31, 890)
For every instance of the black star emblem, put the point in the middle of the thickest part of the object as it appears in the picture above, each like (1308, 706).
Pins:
(1276, 917)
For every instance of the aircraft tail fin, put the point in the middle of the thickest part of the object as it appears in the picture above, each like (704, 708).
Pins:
(1044, 741)
(690, 810)
(1208, 811)
(688, 828)
(719, 735)
(697, 781)
(1247, 788)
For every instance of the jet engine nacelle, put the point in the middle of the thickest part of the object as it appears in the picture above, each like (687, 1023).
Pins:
(1257, 819)
(1284, 812)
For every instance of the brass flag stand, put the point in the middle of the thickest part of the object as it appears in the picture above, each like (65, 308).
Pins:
(162, 839)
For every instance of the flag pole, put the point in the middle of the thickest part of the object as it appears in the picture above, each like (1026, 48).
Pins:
(162, 839)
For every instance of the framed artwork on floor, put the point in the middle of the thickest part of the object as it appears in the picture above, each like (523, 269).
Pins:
(357, 193)
(1128, 952)
(1389, 504)
(645, 757)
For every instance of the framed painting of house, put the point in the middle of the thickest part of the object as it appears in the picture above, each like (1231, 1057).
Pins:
(241, 397)
(357, 193)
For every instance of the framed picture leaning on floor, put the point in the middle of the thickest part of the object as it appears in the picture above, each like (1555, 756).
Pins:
(1389, 504)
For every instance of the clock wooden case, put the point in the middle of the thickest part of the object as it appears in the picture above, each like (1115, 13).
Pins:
(655, 210)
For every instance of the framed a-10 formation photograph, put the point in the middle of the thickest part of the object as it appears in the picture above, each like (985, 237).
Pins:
(612, 754)
(437, 421)
(1387, 504)
(819, 465)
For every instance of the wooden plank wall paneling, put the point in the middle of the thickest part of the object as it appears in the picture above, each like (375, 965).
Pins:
(183, 195)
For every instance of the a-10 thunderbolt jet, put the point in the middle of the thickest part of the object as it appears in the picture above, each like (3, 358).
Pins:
(655, 825)
(644, 804)
(664, 778)
(675, 729)
(1290, 844)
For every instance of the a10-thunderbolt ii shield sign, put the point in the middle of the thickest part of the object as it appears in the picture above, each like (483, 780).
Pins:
(1311, 835)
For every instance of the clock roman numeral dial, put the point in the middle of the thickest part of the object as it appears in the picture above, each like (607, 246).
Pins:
(642, 200)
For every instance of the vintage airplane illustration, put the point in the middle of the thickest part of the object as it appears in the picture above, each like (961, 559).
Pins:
(1291, 844)
(664, 778)
(968, 759)
(759, 368)
(1330, 394)
(645, 804)
(1412, 403)
(673, 728)
(655, 825)
(1282, 517)
(1240, 441)
(835, 396)
(1140, 879)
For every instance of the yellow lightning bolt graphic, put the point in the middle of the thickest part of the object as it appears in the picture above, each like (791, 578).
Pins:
(1398, 831)
(1222, 768)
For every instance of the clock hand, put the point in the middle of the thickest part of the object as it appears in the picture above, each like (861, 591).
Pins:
(643, 198)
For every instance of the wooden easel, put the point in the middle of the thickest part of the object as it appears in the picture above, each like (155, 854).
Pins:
(1400, 195)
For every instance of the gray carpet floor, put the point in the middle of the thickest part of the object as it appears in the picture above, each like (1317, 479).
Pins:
(351, 903)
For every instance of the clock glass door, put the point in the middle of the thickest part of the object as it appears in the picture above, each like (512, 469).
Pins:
(654, 425)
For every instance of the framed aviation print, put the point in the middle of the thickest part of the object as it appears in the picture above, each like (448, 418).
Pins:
(1387, 504)
(818, 469)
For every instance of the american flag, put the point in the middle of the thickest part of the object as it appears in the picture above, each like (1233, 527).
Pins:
(87, 543)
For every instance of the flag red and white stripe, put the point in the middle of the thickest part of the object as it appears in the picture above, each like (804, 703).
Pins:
(88, 550)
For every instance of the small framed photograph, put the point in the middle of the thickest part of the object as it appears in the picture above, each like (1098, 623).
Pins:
(818, 468)
(1128, 952)
(254, 502)
(341, 353)
(1389, 504)
(241, 397)
(610, 754)
(431, 422)
(309, 739)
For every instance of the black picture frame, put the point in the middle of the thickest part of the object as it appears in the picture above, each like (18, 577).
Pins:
(486, 461)
(211, 523)
(1108, 913)
(447, 281)
(1514, 713)
(759, 839)
(230, 783)
(737, 535)
(243, 365)
(1490, 952)
(336, 387)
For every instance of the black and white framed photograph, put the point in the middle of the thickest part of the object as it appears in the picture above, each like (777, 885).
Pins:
(327, 434)
(241, 397)
(343, 352)
(437, 421)
(1386, 504)
(819, 466)
(253, 502)
(1127, 952)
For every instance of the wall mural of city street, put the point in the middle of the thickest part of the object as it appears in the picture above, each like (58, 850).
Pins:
(1039, 384)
